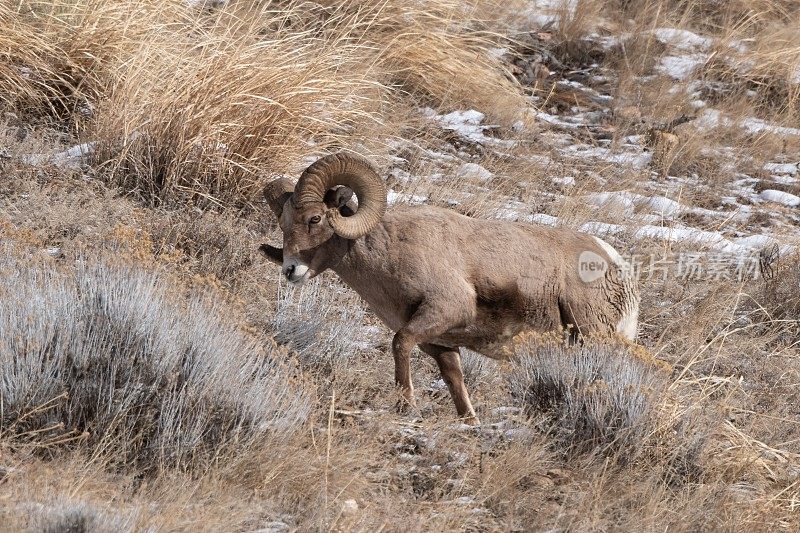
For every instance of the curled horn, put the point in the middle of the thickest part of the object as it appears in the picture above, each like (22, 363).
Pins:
(355, 172)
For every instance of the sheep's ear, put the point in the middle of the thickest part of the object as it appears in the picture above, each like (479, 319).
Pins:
(273, 254)
(341, 198)
(276, 193)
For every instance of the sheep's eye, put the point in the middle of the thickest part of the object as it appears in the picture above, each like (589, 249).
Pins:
(315, 219)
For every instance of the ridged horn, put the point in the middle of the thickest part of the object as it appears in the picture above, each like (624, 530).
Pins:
(355, 172)
(277, 192)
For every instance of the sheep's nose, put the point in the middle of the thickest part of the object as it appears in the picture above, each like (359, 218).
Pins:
(288, 271)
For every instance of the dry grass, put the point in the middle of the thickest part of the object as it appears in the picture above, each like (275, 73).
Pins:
(147, 248)
(192, 104)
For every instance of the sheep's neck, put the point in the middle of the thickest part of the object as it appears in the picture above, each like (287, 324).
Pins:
(364, 260)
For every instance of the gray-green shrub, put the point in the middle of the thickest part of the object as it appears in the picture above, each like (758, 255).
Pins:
(593, 394)
(120, 356)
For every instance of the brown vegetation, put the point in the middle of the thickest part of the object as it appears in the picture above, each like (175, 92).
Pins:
(214, 398)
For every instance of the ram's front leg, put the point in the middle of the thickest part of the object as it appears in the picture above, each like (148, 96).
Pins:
(430, 321)
(402, 344)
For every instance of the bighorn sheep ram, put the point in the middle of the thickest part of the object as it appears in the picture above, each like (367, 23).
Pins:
(441, 280)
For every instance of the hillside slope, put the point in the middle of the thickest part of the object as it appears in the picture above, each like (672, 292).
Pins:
(156, 373)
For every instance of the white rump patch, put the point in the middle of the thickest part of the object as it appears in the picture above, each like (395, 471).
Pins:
(628, 324)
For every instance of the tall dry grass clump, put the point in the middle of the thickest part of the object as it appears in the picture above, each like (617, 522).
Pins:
(28, 81)
(60, 57)
(261, 86)
(438, 52)
(777, 301)
(751, 65)
(195, 103)
(121, 358)
(203, 120)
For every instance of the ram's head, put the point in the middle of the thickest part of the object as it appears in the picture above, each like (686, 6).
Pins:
(318, 217)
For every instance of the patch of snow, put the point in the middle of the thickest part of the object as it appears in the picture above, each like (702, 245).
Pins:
(740, 46)
(756, 125)
(636, 160)
(602, 228)
(728, 200)
(504, 213)
(506, 411)
(566, 181)
(625, 202)
(53, 251)
(610, 41)
(649, 218)
(543, 219)
(785, 179)
(349, 507)
(708, 239)
(394, 197)
(474, 171)
(682, 39)
(544, 13)
(755, 242)
(570, 5)
(681, 67)
(497, 52)
(467, 124)
(540, 159)
(70, 158)
(780, 197)
(781, 168)
(559, 121)
(401, 175)
(713, 118)
(621, 201)
(663, 206)
(464, 500)
(458, 119)
(539, 19)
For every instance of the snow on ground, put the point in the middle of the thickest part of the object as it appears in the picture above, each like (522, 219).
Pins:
(70, 158)
(394, 197)
(756, 125)
(682, 39)
(681, 67)
(473, 171)
(713, 118)
(780, 197)
(468, 125)
(781, 168)
(579, 158)
(708, 240)
(636, 159)
(545, 13)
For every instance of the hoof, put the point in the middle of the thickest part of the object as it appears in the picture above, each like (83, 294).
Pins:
(406, 407)
(470, 421)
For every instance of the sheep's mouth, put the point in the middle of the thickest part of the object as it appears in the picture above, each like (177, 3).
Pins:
(299, 280)
(297, 272)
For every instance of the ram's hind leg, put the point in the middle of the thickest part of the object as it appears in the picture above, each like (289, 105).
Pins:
(449, 362)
